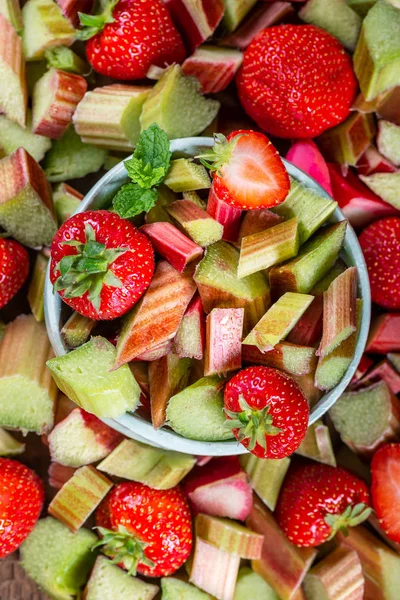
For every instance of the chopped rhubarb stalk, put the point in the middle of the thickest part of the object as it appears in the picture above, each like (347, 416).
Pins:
(307, 386)
(156, 352)
(345, 143)
(9, 446)
(282, 564)
(59, 474)
(291, 358)
(389, 105)
(194, 197)
(383, 371)
(62, 57)
(77, 330)
(172, 245)
(36, 287)
(267, 248)
(213, 570)
(213, 66)
(79, 497)
(255, 221)
(66, 201)
(44, 27)
(308, 330)
(55, 98)
(184, 175)
(224, 340)
(14, 95)
(384, 335)
(278, 321)
(338, 576)
(229, 216)
(266, 476)
(71, 9)
(11, 10)
(386, 185)
(13, 136)
(339, 20)
(317, 444)
(373, 162)
(363, 366)
(196, 222)
(203, 460)
(108, 580)
(146, 326)
(196, 19)
(235, 12)
(229, 536)
(394, 358)
(306, 156)
(189, 341)
(167, 377)
(340, 313)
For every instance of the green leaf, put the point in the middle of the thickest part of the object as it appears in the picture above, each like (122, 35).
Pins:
(144, 174)
(93, 24)
(131, 200)
(66, 263)
(150, 161)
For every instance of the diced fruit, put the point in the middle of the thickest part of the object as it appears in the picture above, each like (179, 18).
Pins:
(213, 66)
(158, 212)
(293, 359)
(266, 476)
(317, 444)
(77, 330)
(196, 222)
(36, 287)
(235, 11)
(307, 385)
(176, 105)
(308, 329)
(184, 175)
(108, 581)
(335, 17)
(62, 57)
(11, 10)
(176, 589)
(388, 105)
(57, 559)
(345, 143)
(81, 439)
(27, 392)
(59, 474)
(14, 270)
(156, 352)
(384, 489)
(44, 27)
(190, 338)
(172, 245)
(305, 155)
(363, 366)
(388, 141)
(250, 585)
(394, 358)
(13, 136)
(385, 185)
(214, 570)
(323, 284)
(26, 192)
(229, 216)
(196, 20)
(384, 334)
(9, 446)
(229, 536)
(382, 371)
(195, 198)
(71, 8)
(361, 7)
(339, 575)
(256, 221)
(373, 162)
(84, 375)
(367, 418)
(13, 97)
(224, 341)
(374, 522)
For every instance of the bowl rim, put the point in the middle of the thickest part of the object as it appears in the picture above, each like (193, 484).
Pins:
(136, 427)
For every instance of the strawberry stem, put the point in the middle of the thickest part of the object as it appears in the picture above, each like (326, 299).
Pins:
(252, 424)
(93, 24)
(350, 517)
(220, 154)
(123, 547)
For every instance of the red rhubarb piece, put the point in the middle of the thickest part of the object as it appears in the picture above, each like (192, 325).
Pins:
(221, 209)
(373, 162)
(195, 19)
(171, 244)
(306, 156)
(224, 341)
(384, 335)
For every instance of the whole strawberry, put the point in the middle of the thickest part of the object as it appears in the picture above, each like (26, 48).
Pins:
(380, 243)
(129, 37)
(21, 502)
(385, 489)
(100, 264)
(296, 81)
(316, 501)
(14, 269)
(145, 530)
(267, 411)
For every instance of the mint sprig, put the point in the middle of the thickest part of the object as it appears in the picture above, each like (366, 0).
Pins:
(132, 199)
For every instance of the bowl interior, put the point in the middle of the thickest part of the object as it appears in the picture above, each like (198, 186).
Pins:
(138, 428)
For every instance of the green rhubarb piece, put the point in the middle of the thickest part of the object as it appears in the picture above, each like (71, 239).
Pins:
(57, 559)
(11, 10)
(317, 444)
(176, 589)
(36, 287)
(62, 57)
(235, 12)
(309, 208)
(158, 212)
(316, 257)
(389, 141)
(266, 476)
(9, 446)
(77, 330)
(13, 94)
(267, 248)
(197, 411)
(250, 585)
(229, 536)
(347, 142)
(195, 198)
(361, 7)
(70, 158)
(66, 202)
(27, 392)
(385, 185)
(196, 222)
(291, 358)
(323, 284)
(336, 17)
(278, 321)
(13, 136)
(184, 175)
(377, 55)
(110, 582)
(44, 27)
(85, 376)
(394, 358)
(177, 106)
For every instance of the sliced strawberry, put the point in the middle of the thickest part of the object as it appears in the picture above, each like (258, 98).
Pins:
(385, 489)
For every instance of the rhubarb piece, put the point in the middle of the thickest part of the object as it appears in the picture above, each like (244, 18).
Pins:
(158, 212)
(335, 17)
(317, 444)
(235, 12)
(59, 475)
(13, 97)
(308, 329)
(57, 559)
(36, 287)
(197, 411)
(316, 257)
(79, 497)
(156, 352)
(9, 446)
(224, 341)
(256, 221)
(382, 371)
(167, 376)
(196, 19)
(374, 522)
(146, 326)
(282, 564)
(27, 392)
(394, 358)
(44, 27)
(278, 321)
(266, 476)
(55, 98)
(306, 156)
(363, 366)
(172, 245)
(361, 7)
(373, 162)
(229, 536)
(66, 201)
(62, 57)
(176, 105)
(77, 330)
(71, 9)
(11, 10)
(229, 216)
(339, 575)
(213, 570)
(13, 136)
(81, 439)
(84, 375)
(323, 284)
(214, 67)
(267, 248)
(109, 116)
(288, 357)
(195, 198)
(309, 208)
(250, 585)
(388, 106)
(176, 589)
(385, 185)
(307, 386)
(108, 582)
(345, 143)
(190, 338)
(384, 335)
(196, 222)
(184, 175)
(388, 141)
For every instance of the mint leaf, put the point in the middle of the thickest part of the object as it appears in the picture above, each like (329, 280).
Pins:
(150, 161)
(132, 199)
(144, 174)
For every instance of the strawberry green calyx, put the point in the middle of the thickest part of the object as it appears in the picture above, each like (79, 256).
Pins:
(221, 152)
(253, 424)
(123, 547)
(94, 24)
(350, 517)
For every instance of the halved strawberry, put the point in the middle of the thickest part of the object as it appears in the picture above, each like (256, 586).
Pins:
(385, 490)
(249, 173)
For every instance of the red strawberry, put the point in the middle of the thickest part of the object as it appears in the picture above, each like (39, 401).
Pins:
(296, 81)
(269, 411)
(21, 502)
(381, 246)
(385, 490)
(144, 529)
(317, 500)
(129, 37)
(100, 264)
(14, 269)
(250, 173)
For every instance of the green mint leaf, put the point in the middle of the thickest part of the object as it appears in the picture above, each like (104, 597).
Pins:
(132, 199)
(150, 161)
(144, 174)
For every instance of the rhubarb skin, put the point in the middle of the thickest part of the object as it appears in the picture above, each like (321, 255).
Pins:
(55, 98)
(196, 20)
(71, 9)
(317, 444)
(14, 98)
(213, 66)
(384, 335)
(308, 329)
(189, 341)
(11, 10)
(227, 215)
(224, 341)
(339, 575)
(59, 474)
(172, 245)
(36, 287)
(255, 221)
(373, 162)
(146, 325)
(156, 352)
(266, 476)
(305, 155)
(307, 385)
(382, 371)
(288, 357)
(200, 226)
(345, 143)
(229, 536)
(213, 570)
